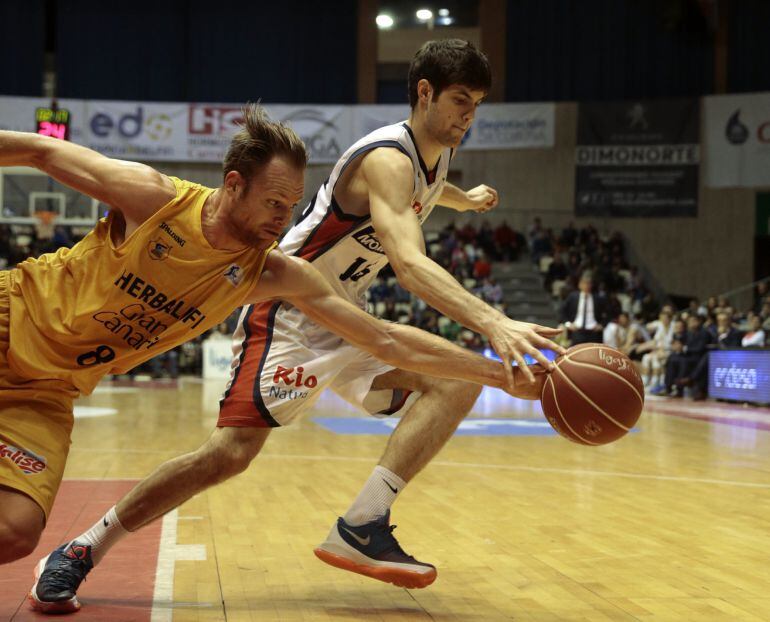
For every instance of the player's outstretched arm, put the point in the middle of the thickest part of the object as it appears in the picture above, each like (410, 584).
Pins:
(388, 174)
(135, 189)
(299, 283)
(479, 199)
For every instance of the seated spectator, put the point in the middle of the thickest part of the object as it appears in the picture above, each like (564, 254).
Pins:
(430, 321)
(541, 246)
(535, 229)
(481, 268)
(569, 235)
(583, 313)
(684, 360)
(459, 265)
(638, 336)
(755, 337)
(379, 291)
(506, 242)
(165, 365)
(467, 235)
(648, 306)
(709, 307)
(723, 302)
(615, 334)
(486, 241)
(765, 315)
(655, 352)
(490, 291)
(557, 271)
(723, 333)
(390, 314)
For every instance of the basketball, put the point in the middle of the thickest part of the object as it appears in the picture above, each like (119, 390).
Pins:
(594, 395)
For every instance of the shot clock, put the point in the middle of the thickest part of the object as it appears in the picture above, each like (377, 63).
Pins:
(53, 121)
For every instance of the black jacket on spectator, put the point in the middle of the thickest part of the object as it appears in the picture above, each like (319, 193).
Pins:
(569, 314)
(570, 308)
(730, 339)
(696, 343)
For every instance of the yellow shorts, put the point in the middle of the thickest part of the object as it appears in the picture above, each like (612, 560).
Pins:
(35, 423)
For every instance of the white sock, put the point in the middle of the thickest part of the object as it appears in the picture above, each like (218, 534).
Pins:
(376, 497)
(106, 532)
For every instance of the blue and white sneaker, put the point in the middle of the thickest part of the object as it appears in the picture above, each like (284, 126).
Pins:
(372, 550)
(57, 578)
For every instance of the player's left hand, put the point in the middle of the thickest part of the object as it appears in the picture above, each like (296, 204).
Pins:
(481, 198)
(511, 340)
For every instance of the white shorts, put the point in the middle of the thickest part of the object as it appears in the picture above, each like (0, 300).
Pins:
(283, 361)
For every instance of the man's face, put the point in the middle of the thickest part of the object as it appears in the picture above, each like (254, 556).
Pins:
(585, 285)
(449, 116)
(693, 323)
(679, 326)
(259, 213)
(722, 321)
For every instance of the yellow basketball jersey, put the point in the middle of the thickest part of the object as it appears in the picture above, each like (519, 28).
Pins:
(97, 308)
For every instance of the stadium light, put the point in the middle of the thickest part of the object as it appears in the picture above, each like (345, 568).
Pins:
(443, 12)
(384, 21)
(424, 14)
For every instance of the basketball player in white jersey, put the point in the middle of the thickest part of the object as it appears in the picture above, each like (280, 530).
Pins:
(368, 213)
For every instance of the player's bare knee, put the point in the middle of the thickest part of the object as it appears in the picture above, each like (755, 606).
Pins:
(226, 458)
(460, 391)
(17, 539)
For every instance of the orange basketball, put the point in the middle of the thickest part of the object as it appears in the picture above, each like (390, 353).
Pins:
(594, 396)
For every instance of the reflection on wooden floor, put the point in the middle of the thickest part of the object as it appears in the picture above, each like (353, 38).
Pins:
(670, 523)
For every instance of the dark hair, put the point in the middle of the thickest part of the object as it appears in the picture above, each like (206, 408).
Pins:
(259, 140)
(449, 61)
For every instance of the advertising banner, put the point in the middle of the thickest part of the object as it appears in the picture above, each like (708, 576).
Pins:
(741, 375)
(637, 159)
(512, 126)
(201, 132)
(738, 140)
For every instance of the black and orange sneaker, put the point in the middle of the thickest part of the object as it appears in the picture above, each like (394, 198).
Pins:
(372, 550)
(57, 578)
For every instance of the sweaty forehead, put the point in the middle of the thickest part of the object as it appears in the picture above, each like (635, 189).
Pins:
(284, 180)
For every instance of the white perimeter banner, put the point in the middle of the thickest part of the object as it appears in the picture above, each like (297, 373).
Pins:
(496, 126)
(737, 140)
(184, 132)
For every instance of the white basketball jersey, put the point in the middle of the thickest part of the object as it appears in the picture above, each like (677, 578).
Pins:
(344, 247)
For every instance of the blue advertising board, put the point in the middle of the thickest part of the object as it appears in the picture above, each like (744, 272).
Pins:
(740, 375)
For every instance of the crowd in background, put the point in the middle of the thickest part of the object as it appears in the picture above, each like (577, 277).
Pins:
(603, 299)
(467, 253)
(598, 296)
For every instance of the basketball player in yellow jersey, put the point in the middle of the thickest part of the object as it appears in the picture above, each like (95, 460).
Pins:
(171, 260)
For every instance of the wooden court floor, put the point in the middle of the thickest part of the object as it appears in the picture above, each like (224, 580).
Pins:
(670, 523)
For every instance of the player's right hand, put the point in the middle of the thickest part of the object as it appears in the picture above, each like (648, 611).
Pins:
(523, 388)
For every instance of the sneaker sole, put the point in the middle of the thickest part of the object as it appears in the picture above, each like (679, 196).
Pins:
(396, 576)
(66, 606)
